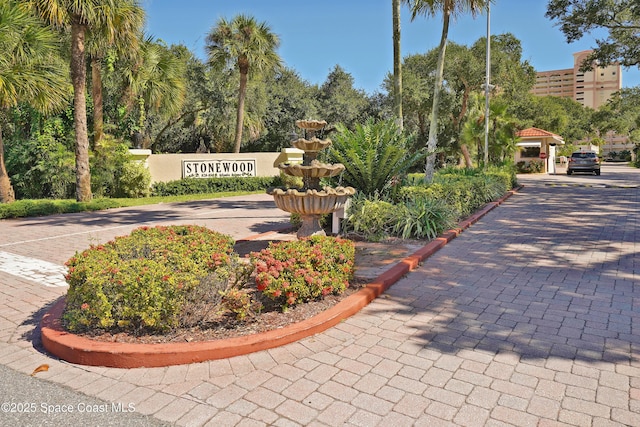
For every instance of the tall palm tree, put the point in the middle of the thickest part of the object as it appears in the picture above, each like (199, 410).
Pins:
(81, 16)
(246, 45)
(448, 8)
(129, 17)
(29, 71)
(397, 64)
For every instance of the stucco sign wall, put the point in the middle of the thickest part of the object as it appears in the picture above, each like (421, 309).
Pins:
(215, 168)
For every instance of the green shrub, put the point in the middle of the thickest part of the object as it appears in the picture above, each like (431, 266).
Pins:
(28, 208)
(43, 165)
(289, 181)
(375, 155)
(142, 281)
(463, 190)
(373, 219)
(425, 218)
(108, 162)
(134, 181)
(299, 271)
(533, 166)
(214, 185)
(505, 177)
(424, 211)
(417, 217)
(457, 194)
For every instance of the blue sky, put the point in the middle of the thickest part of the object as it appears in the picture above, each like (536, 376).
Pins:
(356, 34)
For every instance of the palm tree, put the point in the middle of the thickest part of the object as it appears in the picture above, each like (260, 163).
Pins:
(30, 71)
(448, 8)
(157, 82)
(397, 65)
(502, 130)
(81, 16)
(247, 45)
(130, 19)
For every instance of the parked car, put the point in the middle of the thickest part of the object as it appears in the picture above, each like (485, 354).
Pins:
(583, 161)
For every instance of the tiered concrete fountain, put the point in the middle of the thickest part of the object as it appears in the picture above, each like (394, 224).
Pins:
(311, 202)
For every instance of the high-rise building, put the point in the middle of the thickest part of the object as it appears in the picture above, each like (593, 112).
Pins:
(590, 88)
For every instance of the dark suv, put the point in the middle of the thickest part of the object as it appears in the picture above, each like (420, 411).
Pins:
(583, 161)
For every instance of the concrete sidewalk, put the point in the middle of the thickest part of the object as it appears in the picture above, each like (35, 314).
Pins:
(530, 317)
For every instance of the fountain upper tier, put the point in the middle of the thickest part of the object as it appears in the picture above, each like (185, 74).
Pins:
(311, 146)
(311, 125)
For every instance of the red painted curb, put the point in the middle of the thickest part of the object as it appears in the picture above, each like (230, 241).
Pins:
(84, 351)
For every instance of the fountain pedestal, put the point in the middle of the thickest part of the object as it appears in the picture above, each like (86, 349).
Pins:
(311, 202)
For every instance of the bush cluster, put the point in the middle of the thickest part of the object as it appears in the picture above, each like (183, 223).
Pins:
(464, 193)
(142, 281)
(134, 181)
(533, 166)
(422, 210)
(299, 271)
(416, 217)
(28, 208)
(214, 185)
(159, 278)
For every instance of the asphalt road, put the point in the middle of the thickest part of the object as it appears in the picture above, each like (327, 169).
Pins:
(30, 401)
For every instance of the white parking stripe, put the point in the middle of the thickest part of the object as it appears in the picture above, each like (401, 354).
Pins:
(64, 235)
(41, 272)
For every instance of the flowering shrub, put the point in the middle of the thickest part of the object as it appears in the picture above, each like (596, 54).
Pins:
(162, 277)
(142, 280)
(304, 270)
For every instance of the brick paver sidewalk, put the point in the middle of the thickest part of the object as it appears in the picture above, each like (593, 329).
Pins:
(528, 318)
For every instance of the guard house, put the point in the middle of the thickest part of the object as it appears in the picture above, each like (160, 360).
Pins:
(538, 145)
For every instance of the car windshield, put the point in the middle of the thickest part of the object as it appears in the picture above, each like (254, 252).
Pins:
(583, 155)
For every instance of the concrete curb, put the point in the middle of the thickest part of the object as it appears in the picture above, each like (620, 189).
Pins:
(84, 351)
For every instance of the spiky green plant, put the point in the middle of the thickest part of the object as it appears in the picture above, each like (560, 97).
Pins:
(376, 156)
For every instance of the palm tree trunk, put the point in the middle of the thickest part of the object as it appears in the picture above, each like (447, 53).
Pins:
(433, 127)
(397, 65)
(240, 115)
(79, 80)
(6, 189)
(467, 157)
(96, 91)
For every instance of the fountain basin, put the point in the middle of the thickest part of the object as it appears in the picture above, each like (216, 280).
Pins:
(311, 146)
(311, 202)
(312, 125)
(314, 170)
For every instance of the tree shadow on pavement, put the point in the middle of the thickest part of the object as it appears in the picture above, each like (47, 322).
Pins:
(551, 276)
(171, 212)
(32, 334)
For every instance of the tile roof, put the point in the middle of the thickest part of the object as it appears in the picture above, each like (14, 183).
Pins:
(535, 132)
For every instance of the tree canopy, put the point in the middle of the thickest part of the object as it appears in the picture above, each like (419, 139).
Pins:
(166, 98)
(30, 72)
(621, 114)
(620, 19)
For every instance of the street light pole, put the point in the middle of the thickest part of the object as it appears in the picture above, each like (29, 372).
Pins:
(487, 87)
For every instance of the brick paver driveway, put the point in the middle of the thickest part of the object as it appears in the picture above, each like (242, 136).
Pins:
(528, 318)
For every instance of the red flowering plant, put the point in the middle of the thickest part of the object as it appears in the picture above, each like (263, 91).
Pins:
(304, 270)
(143, 280)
